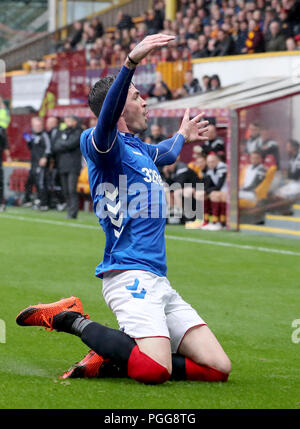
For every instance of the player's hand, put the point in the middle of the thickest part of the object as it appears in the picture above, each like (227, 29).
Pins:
(142, 49)
(193, 129)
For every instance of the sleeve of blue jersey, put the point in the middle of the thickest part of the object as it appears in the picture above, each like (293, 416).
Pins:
(167, 151)
(105, 132)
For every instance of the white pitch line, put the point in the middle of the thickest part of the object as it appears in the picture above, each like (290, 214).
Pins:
(49, 221)
(238, 246)
(168, 236)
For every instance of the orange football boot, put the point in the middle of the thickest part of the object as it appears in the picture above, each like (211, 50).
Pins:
(88, 367)
(42, 314)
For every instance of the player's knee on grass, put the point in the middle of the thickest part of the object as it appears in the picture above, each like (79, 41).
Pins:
(144, 369)
(221, 364)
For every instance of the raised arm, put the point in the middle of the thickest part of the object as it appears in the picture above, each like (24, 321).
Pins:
(106, 129)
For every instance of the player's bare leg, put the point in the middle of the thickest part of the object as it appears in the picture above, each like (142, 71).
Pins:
(158, 349)
(201, 346)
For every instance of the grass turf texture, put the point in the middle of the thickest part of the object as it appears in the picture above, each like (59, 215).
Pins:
(249, 299)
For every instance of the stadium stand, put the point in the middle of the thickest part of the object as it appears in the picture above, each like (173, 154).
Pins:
(20, 20)
(202, 28)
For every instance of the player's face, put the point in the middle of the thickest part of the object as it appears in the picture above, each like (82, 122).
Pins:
(135, 111)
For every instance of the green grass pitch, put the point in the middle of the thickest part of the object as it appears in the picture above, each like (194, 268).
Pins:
(248, 297)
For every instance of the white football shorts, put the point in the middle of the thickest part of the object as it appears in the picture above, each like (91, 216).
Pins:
(146, 305)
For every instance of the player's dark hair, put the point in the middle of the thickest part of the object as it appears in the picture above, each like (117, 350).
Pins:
(98, 93)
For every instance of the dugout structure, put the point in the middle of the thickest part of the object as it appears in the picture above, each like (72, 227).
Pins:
(273, 104)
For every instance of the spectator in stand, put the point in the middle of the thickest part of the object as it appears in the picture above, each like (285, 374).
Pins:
(287, 27)
(154, 19)
(94, 64)
(4, 147)
(118, 55)
(192, 32)
(186, 179)
(253, 143)
(293, 9)
(39, 145)
(191, 86)
(165, 54)
(160, 89)
(291, 190)
(205, 83)
(198, 163)
(290, 44)
(258, 17)
(225, 44)
(276, 42)
(268, 145)
(97, 25)
(193, 46)
(214, 144)
(207, 31)
(202, 41)
(211, 47)
(255, 40)
(240, 36)
(156, 135)
(260, 141)
(251, 176)
(77, 34)
(56, 197)
(126, 39)
(215, 189)
(124, 21)
(67, 149)
(270, 15)
(214, 83)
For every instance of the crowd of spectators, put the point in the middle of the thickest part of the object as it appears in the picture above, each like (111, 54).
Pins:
(202, 29)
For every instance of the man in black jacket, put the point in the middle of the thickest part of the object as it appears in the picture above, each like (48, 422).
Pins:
(215, 143)
(66, 147)
(54, 186)
(40, 147)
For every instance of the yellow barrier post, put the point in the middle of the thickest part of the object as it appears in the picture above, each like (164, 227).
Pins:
(171, 6)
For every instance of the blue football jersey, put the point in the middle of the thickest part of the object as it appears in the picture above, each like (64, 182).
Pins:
(129, 200)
